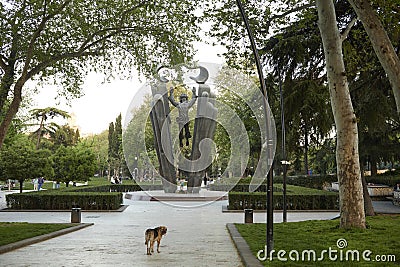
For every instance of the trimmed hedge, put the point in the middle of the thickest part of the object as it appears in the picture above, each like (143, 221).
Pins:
(104, 197)
(383, 179)
(116, 188)
(298, 198)
(310, 181)
(64, 200)
(240, 188)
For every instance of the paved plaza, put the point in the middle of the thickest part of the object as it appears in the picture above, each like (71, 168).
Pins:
(197, 236)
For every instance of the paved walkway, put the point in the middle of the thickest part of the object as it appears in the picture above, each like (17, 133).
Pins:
(197, 236)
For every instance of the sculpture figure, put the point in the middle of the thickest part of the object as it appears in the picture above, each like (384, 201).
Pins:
(183, 114)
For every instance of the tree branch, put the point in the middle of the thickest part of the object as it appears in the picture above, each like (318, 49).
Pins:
(113, 31)
(51, 61)
(3, 65)
(35, 36)
(80, 52)
(123, 15)
(346, 32)
(284, 14)
(290, 11)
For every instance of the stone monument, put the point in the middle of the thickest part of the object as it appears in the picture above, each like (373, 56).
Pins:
(204, 129)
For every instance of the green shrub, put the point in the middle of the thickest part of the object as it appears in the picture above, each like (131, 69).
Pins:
(64, 200)
(240, 188)
(242, 185)
(103, 197)
(297, 198)
(383, 179)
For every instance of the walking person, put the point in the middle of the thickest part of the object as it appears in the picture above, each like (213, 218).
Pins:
(40, 183)
(35, 184)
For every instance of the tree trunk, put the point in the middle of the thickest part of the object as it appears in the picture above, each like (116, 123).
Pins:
(368, 207)
(21, 185)
(347, 157)
(374, 168)
(306, 147)
(381, 43)
(12, 110)
(40, 132)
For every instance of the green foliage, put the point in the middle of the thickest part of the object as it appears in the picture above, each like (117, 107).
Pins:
(390, 180)
(42, 115)
(64, 135)
(132, 187)
(64, 200)
(235, 92)
(298, 198)
(293, 48)
(99, 146)
(309, 181)
(20, 160)
(74, 163)
(98, 197)
(61, 42)
(116, 159)
(139, 127)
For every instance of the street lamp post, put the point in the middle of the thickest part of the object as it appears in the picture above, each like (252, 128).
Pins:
(270, 210)
(284, 162)
(135, 168)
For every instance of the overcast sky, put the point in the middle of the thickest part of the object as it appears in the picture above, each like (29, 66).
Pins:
(102, 103)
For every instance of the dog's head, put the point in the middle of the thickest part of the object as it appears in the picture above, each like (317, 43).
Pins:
(162, 230)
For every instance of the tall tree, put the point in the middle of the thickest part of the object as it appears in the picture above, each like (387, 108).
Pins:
(43, 114)
(61, 41)
(110, 147)
(381, 43)
(19, 160)
(74, 163)
(347, 157)
(99, 144)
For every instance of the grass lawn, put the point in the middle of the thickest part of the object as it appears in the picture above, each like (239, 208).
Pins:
(12, 231)
(381, 238)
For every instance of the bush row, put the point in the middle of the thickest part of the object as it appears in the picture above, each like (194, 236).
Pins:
(257, 201)
(116, 188)
(240, 188)
(64, 200)
(383, 179)
(242, 185)
(310, 181)
(104, 197)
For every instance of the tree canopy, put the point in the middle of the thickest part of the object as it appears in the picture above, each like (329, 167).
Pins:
(74, 163)
(61, 41)
(19, 160)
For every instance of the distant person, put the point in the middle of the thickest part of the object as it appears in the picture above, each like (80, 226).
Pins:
(397, 187)
(40, 183)
(35, 184)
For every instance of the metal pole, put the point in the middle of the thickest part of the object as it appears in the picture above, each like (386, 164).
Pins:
(270, 211)
(284, 161)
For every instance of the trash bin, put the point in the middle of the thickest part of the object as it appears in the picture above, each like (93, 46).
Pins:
(76, 215)
(248, 216)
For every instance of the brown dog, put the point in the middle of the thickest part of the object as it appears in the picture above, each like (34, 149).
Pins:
(153, 235)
